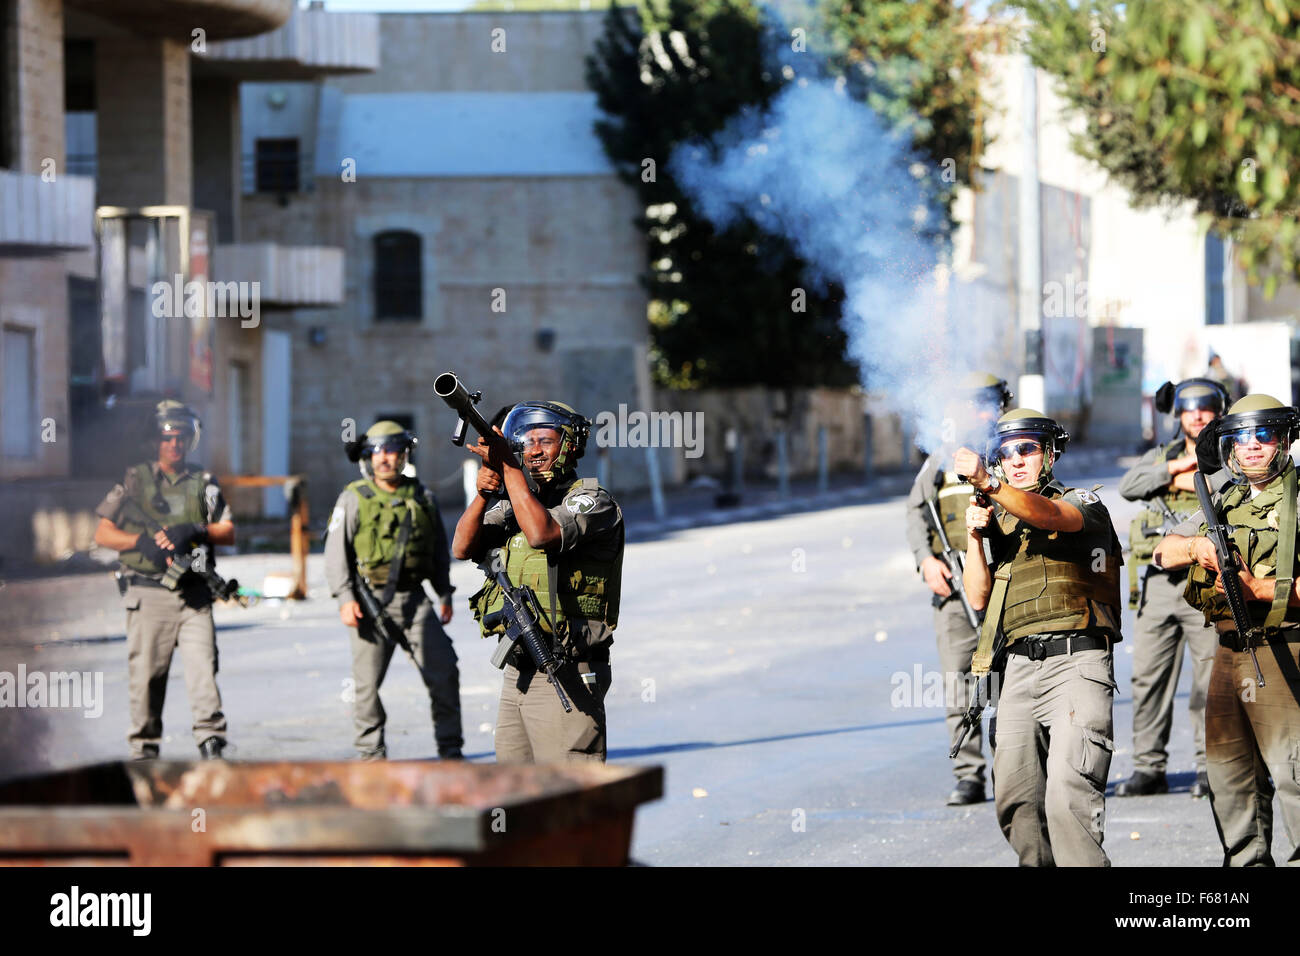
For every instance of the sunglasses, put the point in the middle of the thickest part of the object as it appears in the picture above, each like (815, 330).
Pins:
(182, 437)
(393, 447)
(1264, 434)
(1021, 449)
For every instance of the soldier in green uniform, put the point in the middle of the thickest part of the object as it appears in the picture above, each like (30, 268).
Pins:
(986, 397)
(1166, 623)
(163, 612)
(566, 543)
(1053, 588)
(387, 531)
(1252, 726)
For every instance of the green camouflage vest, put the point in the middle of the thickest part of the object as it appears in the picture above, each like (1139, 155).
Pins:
(1146, 530)
(952, 501)
(1255, 537)
(379, 520)
(1055, 576)
(184, 499)
(588, 582)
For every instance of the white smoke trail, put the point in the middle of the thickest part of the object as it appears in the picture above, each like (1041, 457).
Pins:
(848, 191)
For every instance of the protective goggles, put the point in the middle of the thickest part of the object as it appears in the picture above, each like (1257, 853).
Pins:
(547, 441)
(1264, 434)
(394, 445)
(1022, 448)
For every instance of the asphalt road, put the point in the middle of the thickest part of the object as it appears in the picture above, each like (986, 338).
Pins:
(760, 662)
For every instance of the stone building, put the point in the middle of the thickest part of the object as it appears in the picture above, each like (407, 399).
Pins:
(120, 170)
(484, 231)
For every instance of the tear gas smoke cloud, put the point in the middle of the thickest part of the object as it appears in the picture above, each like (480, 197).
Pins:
(851, 195)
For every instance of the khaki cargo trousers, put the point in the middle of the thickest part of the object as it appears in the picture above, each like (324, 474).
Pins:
(532, 726)
(1252, 733)
(1052, 746)
(956, 640)
(1166, 624)
(159, 621)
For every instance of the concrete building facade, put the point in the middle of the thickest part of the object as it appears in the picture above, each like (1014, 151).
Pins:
(1125, 298)
(484, 231)
(147, 94)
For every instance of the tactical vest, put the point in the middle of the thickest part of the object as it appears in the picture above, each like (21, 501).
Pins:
(952, 500)
(379, 522)
(184, 500)
(588, 580)
(1146, 530)
(1255, 537)
(1056, 576)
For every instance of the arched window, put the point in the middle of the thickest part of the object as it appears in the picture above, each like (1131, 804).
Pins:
(399, 287)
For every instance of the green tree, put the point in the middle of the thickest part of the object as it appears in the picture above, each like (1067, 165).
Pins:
(1189, 101)
(734, 307)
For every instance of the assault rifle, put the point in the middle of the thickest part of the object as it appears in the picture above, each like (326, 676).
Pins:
(373, 611)
(1229, 566)
(521, 614)
(980, 697)
(955, 560)
(198, 561)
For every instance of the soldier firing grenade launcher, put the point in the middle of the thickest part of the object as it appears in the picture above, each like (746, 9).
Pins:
(521, 614)
(374, 612)
(1229, 565)
(955, 560)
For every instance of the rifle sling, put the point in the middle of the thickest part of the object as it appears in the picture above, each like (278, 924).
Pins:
(1286, 522)
(399, 558)
(982, 660)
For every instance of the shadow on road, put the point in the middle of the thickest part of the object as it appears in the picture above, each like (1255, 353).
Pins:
(628, 753)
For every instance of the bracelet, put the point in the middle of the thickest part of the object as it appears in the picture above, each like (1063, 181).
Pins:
(1191, 558)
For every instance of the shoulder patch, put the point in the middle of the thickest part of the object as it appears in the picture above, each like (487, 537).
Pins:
(1087, 497)
(336, 519)
(580, 504)
(365, 491)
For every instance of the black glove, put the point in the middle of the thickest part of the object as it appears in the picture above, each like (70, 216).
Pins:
(182, 535)
(145, 545)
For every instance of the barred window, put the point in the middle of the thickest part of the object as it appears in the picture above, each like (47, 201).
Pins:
(399, 294)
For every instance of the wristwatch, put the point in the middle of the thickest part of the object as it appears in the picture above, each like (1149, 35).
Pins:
(991, 487)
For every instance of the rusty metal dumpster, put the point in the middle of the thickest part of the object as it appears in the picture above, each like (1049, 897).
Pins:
(398, 813)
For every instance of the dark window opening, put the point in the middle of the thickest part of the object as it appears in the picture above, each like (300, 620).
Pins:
(79, 76)
(276, 165)
(8, 86)
(399, 294)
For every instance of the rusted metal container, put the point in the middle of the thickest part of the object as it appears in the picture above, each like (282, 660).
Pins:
(385, 813)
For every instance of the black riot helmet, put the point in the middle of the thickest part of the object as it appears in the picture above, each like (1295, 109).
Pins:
(572, 430)
(1191, 394)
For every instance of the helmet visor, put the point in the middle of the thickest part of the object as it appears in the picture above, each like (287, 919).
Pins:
(1193, 396)
(1255, 452)
(394, 444)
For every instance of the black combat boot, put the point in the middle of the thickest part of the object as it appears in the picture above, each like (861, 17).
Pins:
(211, 748)
(968, 791)
(147, 752)
(1142, 784)
(1201, 788)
